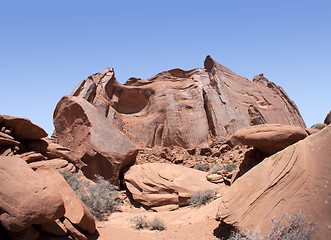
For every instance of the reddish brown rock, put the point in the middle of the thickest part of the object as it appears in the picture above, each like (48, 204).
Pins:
(54, 163)
(54, 227)
(295, 180)
(93, 138)
(270, 138)
(75, 209)
(159, 184)
(32, 157)
(187, 108)
(327, 119)
(22, 128)
(24, 199)
(74, 232)
(311, 131)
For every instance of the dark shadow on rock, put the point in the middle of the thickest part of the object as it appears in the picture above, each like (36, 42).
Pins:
(224, 231)
(251, 159)
(94, 236)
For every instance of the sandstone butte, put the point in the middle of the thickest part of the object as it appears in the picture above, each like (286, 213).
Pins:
(186, 108)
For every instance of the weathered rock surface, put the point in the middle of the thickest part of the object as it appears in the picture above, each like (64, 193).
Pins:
(54, 228)
(22, 128)
(187, 108)
(24, 199)
(270, 138)
(75, 209)
(159, 184)
(93, 138)
(295, 180)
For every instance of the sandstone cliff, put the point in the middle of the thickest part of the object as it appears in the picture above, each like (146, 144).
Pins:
(187, 108)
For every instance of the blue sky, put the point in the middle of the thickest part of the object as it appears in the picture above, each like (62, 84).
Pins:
(48, 47)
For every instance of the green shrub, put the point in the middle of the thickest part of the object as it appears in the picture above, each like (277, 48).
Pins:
(156, 224)
(201, 198)
(230, 167)
(202, 167)
(284, 228)
(100, 197)
(215, 167)
(140, 222)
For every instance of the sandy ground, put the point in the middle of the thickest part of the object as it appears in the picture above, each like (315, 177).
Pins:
(183, 223)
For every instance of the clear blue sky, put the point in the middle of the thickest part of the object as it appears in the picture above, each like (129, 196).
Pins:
(48, 47)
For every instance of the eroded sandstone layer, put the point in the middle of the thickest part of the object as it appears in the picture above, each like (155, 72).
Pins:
(187, 108)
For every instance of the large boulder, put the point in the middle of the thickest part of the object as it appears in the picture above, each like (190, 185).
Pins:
(295, 180)
(159, 184)
(22, 128)
(24, 199)
(270, 138)
(75, 209)
(187, 108)
(92, 138)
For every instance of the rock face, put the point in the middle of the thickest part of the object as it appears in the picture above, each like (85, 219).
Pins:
(22, 128)
(295, 180)
(93, 138)
(159, 184)
(24, 199)
(270, 138)
(186, 108)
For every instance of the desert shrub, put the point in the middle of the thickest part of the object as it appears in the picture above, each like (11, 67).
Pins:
(230, 167)
(156, 224)
(284, 228)
(202, 167)
(201, 198)
(319, 126)
(215, 167)
(139, 222)
(100, 197)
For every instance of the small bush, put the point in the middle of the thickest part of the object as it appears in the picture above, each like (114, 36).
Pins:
(140, 222)
(99, 197)
(284, 228)
(214, 168)
(202, 167)
(201, 198)
(156, 224)
(230, 167)
(319, 126)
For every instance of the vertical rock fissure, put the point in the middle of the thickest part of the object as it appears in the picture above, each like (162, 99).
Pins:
(209, 114)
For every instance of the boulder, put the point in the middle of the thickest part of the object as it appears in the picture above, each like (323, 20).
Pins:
(93, 138)
(187, 108)
(74, 232)
(295, 180)
(6, 142)
(24, 199)
(159, 184)
(75, 209)
(22, 128)
(270, 138)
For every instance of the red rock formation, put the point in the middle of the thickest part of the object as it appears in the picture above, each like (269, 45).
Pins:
(294, 180)
(187, 108)
(93, 138)
(160, 184)
(270, 138)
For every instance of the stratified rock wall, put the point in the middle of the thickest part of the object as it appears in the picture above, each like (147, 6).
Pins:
(187, 108)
